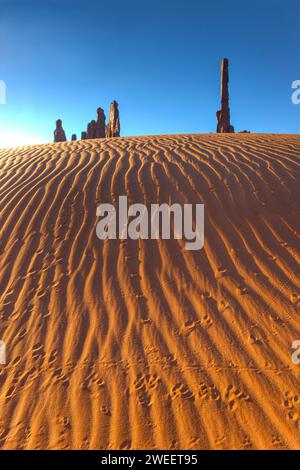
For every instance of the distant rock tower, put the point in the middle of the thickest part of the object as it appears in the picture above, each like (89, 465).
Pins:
(113, 126)
(59, 133)
(83, 135)
(223, 116)
(100, 124)
(91, 129)
(74, 137)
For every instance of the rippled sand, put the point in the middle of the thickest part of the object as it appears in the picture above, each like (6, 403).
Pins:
(143, 344)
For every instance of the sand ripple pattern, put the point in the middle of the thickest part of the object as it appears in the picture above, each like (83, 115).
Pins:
(141, 344)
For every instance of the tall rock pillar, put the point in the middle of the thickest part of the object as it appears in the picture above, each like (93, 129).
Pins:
(100, 124)
(113, 126)
(223, 116)
(91, 130)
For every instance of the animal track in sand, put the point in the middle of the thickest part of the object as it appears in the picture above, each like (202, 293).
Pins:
(233, 396)
(60, 378)
(256, 337)
(206, 295)
(221, 272)
(207, 321)
(148, 381)
(53, 356)
(292, 405)
(220, 439)
(93, 383)
(277, 441)
(192, 325)
(38, 351)
(144, 384)
(246, 442)
(64, 421)
(230, 398)
(125, 445)
(241, 290)
(105, 410)
(188, 327)
(181, 390)
(209, 392)
(223, 305)
(295, 299)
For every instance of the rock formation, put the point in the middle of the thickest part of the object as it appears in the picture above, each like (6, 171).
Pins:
(100, 124)
(113, 126)
(91, 130)
(223, 116)
(95, 129)
(59, 133)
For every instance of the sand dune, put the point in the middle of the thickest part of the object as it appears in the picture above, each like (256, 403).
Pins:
(142, 344)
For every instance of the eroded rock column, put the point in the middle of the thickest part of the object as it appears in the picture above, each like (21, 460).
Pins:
(113, 126)
(100, 124)
(91, 130)
(59, 133)
(223, 116)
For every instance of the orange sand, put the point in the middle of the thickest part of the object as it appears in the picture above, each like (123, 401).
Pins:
(142, 344)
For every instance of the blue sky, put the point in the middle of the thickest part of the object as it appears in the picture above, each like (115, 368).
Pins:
(160, 59)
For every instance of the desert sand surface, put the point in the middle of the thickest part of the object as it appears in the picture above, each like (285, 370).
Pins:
(124, 344)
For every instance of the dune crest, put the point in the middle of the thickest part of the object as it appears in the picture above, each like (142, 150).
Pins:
(124, 344)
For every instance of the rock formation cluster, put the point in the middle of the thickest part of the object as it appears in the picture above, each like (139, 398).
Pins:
(223, 116)
(99, 130)
(96, 129)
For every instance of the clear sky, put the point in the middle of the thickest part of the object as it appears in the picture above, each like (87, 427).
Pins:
(160, 59)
